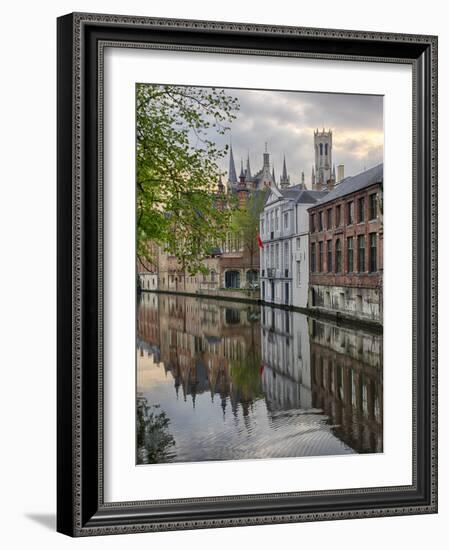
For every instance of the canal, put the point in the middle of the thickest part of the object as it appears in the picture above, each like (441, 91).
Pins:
(220, 380)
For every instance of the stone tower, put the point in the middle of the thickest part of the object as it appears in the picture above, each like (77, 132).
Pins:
(323, 157)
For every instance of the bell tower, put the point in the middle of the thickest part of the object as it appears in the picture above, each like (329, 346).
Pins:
(322, 141)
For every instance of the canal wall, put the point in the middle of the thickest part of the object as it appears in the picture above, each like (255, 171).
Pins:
(253, 297)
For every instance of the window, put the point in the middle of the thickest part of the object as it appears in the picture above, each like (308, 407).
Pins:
(320, 221)
(321, 149)
(350, 254)
(277, 255)
(329, 218)
(272, 220)
(326, 146)
(312, 223)
(272, 255)
(277, 219)
(232, 279)
(338, 216)
(373, 206)
(298, 243)
(298, 273)
(286, 255)
(373, 252)
(361, 246)
(252, 276)
(286, 220)
(350, 212)
(232, 316)
(312, 257)
(320, 255)
(361, 217)
(329, 256)
(338, 256)
(213, 276)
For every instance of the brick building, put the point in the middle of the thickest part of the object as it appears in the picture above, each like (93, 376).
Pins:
(346, 248)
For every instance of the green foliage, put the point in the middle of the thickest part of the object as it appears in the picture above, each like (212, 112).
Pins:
(245, 222)
(177, 170)
(245, 372)
(154, 442)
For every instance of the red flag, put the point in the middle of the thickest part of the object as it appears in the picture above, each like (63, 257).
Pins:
(259, 241)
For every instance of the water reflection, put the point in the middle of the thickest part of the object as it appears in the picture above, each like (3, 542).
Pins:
(224, 380)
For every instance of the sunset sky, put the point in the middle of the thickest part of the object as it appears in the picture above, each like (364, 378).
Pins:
(286, 121)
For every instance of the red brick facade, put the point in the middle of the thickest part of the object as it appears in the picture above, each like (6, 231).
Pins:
(352, 222)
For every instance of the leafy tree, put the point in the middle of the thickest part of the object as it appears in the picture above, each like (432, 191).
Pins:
(177, 170)
(245, 223)
(154, 441)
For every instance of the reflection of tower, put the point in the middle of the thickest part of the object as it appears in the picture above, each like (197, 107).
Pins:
(323, 158)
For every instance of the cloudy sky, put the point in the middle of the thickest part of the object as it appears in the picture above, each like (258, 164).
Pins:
(286, 121)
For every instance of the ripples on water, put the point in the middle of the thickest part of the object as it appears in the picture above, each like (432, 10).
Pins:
(222, 380)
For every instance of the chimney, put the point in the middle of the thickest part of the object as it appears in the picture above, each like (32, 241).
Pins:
(340, 172)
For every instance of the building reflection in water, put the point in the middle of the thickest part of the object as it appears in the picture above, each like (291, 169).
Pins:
(233, 380)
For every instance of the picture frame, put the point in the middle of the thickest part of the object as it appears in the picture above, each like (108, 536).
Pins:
(81, 507)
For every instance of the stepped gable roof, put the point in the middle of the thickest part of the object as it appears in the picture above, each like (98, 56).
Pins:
(351, 184)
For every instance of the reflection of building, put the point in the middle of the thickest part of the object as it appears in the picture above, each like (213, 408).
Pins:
(206, 345)
(347, 383)
(285, 359)
(306, 378)
(148, 325)
(284, 257)
(346, 247)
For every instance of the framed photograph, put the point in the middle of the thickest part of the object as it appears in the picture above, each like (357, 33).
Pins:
(247, 278)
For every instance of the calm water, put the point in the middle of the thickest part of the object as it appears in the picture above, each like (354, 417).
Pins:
(220, 380)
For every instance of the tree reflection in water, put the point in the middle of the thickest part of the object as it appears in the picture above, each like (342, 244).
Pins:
(247, 381)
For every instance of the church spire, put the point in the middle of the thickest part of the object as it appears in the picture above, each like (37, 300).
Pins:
(248, 168)
(242, 172)
(284, 171)
(285, 180)
(232, 175)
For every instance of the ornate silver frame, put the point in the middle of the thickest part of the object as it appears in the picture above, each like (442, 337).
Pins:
(81, 42)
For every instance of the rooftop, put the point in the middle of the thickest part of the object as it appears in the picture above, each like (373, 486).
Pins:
(355, 183)
(301, 195)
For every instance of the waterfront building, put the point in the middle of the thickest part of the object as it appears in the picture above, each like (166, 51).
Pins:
(147, 269)
(346, 248)
(284, 234)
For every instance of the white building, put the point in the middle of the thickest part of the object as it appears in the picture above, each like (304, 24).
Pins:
(284, 227)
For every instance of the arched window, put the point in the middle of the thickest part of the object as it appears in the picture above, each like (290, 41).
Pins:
(321, 149)
(232, 279)
(326, 149)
